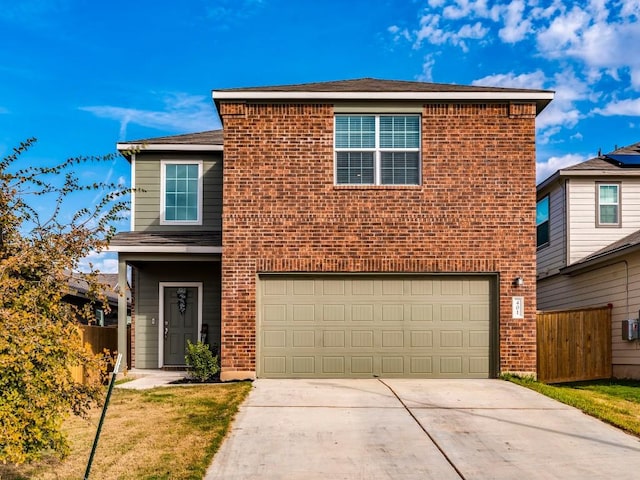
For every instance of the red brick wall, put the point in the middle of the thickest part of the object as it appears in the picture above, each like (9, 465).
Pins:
(474, 212)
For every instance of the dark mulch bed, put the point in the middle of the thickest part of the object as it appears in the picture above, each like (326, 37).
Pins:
(180, 381)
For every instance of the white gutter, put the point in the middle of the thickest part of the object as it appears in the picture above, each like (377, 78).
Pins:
(289, 95)
(168, 147)
(161, 249)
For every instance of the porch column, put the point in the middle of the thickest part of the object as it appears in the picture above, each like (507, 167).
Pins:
(122, 312)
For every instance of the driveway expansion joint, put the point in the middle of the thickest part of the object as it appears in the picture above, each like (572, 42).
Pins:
(433, 440)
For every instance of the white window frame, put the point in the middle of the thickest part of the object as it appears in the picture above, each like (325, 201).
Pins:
(599, 222)
(377, 151)
(163, 196)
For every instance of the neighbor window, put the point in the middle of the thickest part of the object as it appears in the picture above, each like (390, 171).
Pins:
(377, 149)
(608, 204)
(181, 196)
(542, 221)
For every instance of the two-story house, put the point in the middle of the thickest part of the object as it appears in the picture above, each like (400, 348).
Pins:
(354, 228)
(588, 240)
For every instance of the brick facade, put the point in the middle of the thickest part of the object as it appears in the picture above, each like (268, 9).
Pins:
(474, 212)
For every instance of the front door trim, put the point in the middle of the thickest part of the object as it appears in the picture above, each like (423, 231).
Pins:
(162, 286)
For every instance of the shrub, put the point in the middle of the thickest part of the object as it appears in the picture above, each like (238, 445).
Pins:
(203, 363)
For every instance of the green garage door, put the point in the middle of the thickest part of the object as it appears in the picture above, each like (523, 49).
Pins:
(364, 326)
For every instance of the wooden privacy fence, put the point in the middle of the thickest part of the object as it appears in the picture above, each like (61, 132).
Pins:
(98, 338)
(574, 345)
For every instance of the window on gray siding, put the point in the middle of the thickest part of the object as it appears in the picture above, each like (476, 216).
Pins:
(608, 205)
(542, 222)
(181, 192)
(377, 149)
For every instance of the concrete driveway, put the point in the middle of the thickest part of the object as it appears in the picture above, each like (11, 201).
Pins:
(417, 429)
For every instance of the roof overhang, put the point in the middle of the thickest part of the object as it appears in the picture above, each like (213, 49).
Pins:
(628, 172)
(167, 147)
(606, 259)
(163, 249)
(542, 99)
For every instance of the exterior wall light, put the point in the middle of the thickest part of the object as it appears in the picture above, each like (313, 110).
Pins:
(518, 282)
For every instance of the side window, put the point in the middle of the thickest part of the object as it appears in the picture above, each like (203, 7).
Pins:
(542, 222)
(608, 209)
(181, 192)
(377, 149)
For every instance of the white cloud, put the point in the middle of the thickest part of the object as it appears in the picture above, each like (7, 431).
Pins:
(535, 80)
(515, 27)
(182, 112)
(427, 69)
(105, 262)
(562, 111)
(553, 164)
(629, 107)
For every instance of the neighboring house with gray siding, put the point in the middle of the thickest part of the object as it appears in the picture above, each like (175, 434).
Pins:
(588, 221)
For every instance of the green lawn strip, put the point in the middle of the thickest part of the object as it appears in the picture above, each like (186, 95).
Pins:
(612, 401)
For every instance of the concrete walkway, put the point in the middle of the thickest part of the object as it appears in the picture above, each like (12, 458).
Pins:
(417, 429)
(145, 379)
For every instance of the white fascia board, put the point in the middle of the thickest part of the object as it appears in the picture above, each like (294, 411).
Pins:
(258, 95)
(161, 249)
(168, 147)
(623, 172)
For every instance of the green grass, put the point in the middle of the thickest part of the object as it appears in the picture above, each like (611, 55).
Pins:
(613, 401)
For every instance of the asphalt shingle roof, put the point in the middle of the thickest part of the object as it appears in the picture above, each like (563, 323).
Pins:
(210, 137)
(167, 239)
(376, 85)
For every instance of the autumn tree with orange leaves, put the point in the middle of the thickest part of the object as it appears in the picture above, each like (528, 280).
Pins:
(39, 341)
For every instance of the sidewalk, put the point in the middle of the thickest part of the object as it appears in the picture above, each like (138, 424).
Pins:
(145, 379)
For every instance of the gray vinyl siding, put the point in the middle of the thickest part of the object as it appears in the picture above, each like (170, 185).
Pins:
(585, 237)
(147, 300)
(617, 284)
(552, 256)
(147, 200)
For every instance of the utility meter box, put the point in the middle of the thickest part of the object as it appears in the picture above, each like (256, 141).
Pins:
(630, 329)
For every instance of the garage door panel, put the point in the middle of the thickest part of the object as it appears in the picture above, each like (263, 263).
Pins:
(333, 313)
(303, 365)
(366, 326)
(361, 338)
(362, 365)
(303, 339)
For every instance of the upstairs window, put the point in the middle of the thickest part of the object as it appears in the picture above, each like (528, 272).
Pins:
(608, 213)
(377, 149)
(542, 222)
(181, 195)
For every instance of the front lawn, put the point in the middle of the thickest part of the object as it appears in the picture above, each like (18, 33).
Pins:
(164, 433)
(614, 401)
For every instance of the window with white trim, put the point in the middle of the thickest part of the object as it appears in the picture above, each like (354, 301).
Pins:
(181, 192)
(608, 213)
(377, 150)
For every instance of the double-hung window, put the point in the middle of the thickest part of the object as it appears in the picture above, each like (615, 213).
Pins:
(608, 213)
(181, 192)
(377, 149)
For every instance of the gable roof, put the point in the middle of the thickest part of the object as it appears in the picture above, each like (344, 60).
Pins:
(210, 140)
(606, 165)
(376, 89)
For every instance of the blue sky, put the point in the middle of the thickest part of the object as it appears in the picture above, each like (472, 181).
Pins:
(81, 76)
